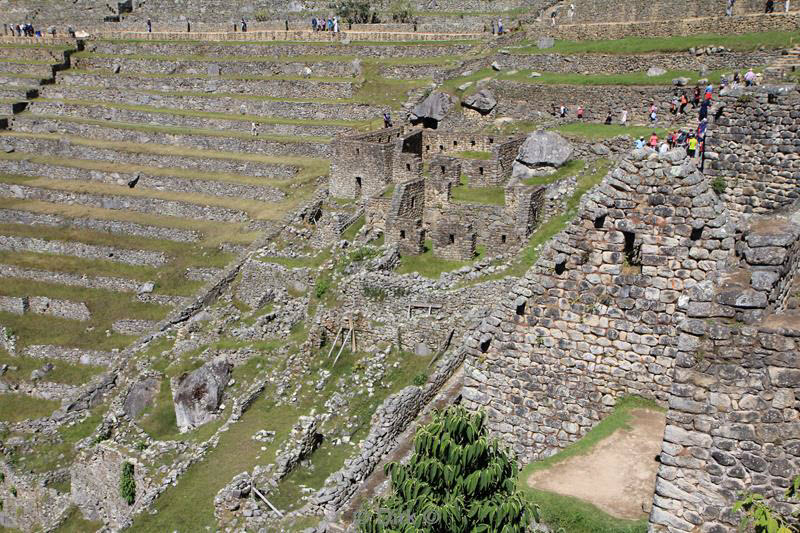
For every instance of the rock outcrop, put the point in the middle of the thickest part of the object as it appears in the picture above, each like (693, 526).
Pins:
(199, 394)
(433, 108)
(482, 101)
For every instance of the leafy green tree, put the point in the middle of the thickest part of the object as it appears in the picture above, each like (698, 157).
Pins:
(457, 480)
(762, 518)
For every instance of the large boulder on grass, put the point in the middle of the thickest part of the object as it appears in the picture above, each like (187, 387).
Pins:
(482, 101)
(198, 394)
(433, 108)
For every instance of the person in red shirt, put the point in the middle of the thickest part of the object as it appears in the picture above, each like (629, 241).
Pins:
(653, 141)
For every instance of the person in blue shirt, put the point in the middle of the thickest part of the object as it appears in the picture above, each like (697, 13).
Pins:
(639, 143)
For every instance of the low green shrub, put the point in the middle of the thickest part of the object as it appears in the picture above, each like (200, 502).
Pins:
(127, 485)
(719, 185)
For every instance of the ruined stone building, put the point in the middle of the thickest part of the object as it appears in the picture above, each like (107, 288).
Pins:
(406, 175)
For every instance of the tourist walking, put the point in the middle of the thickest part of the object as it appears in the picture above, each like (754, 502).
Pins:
(786, 6)
(749, 77)
(553, 16)
(188, 27)
(684, 103)
(703, 110)
(653, 113)
(608, 118)
(696, 97)
(253, 129)
(571, 11)
(499, 26)
(653, 141)
(149, 26)
(770, 7)
(729, 9)
(579, 112)
(623, 118)
(244, 25)
(691, 145)
(562, 111)
(387, 120)
(335, 25)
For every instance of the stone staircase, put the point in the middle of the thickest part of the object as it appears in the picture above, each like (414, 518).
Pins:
(786, 65)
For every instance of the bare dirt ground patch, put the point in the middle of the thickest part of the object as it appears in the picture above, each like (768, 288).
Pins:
(618, 474)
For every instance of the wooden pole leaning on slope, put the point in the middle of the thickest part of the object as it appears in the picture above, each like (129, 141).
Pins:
(258, 493)
(335, 340)
(344, 343)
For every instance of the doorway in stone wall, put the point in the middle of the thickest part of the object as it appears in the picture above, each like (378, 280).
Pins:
(358, 186)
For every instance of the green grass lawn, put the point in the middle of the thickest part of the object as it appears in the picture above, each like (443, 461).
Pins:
(572, 514)
(430, 266)
(477, 195)
(570, 169)
(571, 78)
(63, 372)
(18, 407)
(640, 45)
(469, 154)
(75, 523)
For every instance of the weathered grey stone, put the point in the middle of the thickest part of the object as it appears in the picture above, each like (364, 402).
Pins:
(198, 394)
(545, 148)
(141, 396)
(434, 107)
(656, 71)
(680, 82)
(483, 101)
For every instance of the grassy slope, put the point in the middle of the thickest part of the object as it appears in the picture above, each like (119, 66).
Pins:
(638, 45)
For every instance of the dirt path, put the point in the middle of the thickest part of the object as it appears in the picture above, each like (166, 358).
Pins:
(619, 473)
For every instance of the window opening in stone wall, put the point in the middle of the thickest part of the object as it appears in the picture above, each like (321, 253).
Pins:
(452, 238)
(599, 222)
(402, 234)
(521, 309)
(358, 151)
(413, 201)
(472, 142)
(772, 98)
(480, 171)
(455, 143)
(442, 167)
(408, 166)
(358, 184)
(427, 147)
(491, 141)
(441, 148)
(561, 267)
(485, 345)
(697, 234)
(503, 239)
(631, 256)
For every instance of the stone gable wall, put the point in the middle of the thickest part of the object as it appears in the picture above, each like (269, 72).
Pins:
(732, 424)
(595, 318)
(754, 149)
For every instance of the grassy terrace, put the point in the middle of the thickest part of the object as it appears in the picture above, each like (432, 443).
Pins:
(178, 130)
(18, 407)
(430, 266)
(354, 45)
(436, 60)
(67, 373)
(258, 119)
(244, 77)
(558, 78)
(639, 45)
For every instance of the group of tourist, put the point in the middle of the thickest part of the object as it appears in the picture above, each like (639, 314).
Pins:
(22, 30)
(692, 141)
(323, 24)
